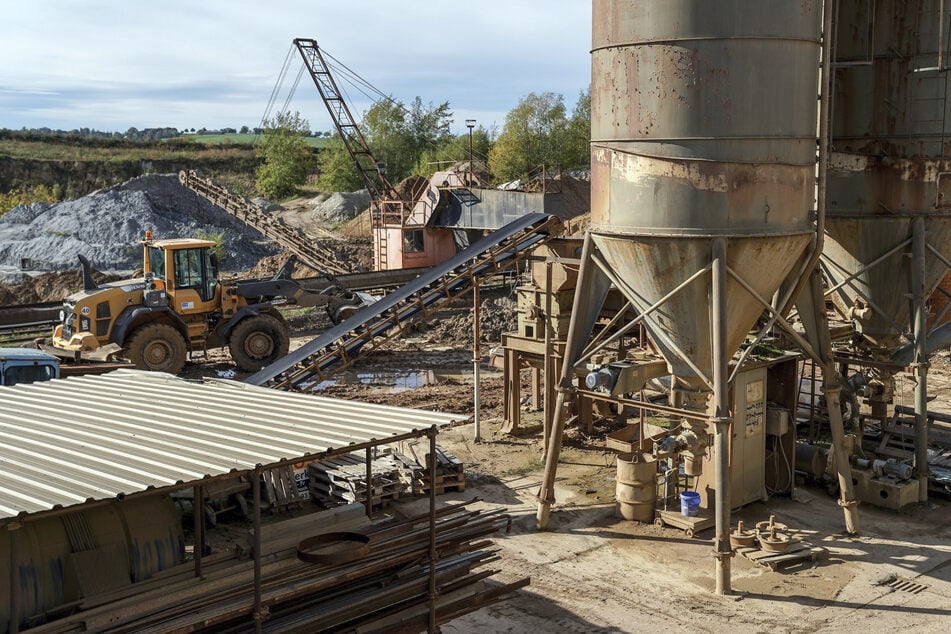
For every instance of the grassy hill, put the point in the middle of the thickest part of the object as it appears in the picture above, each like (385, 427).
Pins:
(44, 167)
(245, 139)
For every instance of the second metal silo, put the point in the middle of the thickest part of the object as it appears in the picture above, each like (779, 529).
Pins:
(888, 223)
(703, 160)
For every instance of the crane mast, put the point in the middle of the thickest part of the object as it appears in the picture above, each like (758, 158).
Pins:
(371, 170)
(387, 209)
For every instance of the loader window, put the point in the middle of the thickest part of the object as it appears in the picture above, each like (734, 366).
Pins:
(28, 374)
(193, 270)
(157, 262)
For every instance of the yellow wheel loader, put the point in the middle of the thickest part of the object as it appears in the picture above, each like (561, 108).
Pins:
(178, 307)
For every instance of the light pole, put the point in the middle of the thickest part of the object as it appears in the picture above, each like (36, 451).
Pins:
(476, 356)
(470, 123)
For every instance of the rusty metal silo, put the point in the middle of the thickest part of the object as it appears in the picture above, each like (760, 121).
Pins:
(888, 220)
(703, 158)
(703, 127)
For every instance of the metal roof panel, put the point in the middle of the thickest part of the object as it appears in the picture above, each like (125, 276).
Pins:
(68, 441)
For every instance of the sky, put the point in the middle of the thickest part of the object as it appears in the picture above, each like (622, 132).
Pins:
(115, 64)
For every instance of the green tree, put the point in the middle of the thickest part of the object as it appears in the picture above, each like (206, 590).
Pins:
(336, 168)
(218, 237)
(575, 145)
(397, 136)
(533, 134)
(287, 157)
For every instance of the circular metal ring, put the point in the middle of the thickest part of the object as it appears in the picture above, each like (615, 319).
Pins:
(333, 548)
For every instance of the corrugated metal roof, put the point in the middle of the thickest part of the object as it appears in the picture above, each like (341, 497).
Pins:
(66, 442)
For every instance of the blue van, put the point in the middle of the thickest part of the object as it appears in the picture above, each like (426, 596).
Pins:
(26, 365)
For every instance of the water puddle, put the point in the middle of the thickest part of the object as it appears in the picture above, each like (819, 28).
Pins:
(395, 381)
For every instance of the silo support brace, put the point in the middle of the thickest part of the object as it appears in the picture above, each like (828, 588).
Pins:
(590, 292)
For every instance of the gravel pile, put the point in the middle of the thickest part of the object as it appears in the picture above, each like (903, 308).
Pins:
(106, 227)
(340, 207)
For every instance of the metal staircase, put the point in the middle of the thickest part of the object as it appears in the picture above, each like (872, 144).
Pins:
(335, 349)
(311, 252)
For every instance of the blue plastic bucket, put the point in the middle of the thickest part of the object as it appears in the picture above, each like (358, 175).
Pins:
(689, 504)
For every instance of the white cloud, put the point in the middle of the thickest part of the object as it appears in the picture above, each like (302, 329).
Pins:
(112, 64)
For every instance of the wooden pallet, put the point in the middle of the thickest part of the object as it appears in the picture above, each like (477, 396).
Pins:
(280, 488)
(443, 484)
(690, 525)
(798, 551)
(343, 480)
(450, 471)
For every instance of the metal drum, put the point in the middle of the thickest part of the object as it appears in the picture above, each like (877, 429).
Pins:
(61, 558)
(636, 486)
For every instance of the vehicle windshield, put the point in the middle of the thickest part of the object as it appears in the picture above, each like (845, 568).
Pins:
(27, 374)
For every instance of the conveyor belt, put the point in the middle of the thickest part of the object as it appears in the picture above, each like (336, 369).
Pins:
(309, 251)
(335, 349)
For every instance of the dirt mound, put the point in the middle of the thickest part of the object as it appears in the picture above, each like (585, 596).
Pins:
(48, 287)
(356, 251)
(359, 227)
(106, 226)
(412, 187)
(495, 317)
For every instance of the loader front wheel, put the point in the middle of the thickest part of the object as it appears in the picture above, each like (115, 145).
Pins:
(258, 341)
(157, 347)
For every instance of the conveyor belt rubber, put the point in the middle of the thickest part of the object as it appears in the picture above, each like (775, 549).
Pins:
(306, 367)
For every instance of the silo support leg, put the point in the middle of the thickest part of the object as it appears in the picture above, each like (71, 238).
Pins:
(918, 248)
(846, 492)
(723, 422)
(546, 493)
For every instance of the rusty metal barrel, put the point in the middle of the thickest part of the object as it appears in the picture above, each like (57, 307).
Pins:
(703, 126)
(636, 490)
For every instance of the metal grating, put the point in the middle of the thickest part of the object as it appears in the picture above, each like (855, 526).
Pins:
(901, 584)
(88, 438)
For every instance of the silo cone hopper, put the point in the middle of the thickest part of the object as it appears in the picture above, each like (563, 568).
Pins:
(882, 264)
(678, 270)
(869, 263)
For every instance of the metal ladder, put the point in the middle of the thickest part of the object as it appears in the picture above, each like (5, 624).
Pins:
(304, 369)
(380, 229)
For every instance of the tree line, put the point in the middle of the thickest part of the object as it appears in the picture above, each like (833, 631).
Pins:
(417, 140)
(414, 139)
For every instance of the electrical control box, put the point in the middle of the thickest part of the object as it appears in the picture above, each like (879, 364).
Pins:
(777, 421)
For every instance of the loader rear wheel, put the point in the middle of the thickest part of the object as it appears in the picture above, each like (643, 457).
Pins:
(157, 347)
(258, 341)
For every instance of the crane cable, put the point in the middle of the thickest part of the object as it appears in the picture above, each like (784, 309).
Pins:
(343, 72)
(275, 91)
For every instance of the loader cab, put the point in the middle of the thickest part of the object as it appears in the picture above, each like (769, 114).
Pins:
(186, 269)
